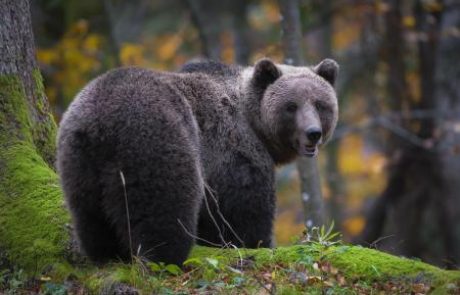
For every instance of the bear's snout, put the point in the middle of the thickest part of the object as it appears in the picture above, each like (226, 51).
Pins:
(314, 135)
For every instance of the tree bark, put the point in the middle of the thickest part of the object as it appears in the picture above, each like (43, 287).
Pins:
(32, 218)
(308, 168)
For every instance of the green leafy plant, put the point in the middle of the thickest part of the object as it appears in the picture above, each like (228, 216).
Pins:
(323, 236)
(162, 269)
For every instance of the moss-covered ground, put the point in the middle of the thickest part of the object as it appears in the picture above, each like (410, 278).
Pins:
(311, 268)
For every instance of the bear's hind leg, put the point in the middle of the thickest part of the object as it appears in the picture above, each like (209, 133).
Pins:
(162, 191)
(82, 190)
(97, 239)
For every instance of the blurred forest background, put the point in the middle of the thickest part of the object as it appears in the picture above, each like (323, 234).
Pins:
(391, 174)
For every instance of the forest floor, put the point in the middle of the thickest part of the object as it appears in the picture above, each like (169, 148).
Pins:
(317, 266)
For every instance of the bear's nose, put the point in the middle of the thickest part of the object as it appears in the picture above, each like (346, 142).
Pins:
(314, 134)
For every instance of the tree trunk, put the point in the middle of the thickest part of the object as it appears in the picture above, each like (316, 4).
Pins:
(241, 31)
(447, 95)
(32, 217)
(308, 168)
(207, 19)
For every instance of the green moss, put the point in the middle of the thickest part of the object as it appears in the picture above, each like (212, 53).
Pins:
(32, 219)
(363, 263)
(44, 131)
(14, 117)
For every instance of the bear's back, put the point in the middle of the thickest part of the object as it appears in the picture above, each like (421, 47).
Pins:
(127, 96)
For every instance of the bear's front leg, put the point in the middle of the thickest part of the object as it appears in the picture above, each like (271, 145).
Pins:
(240, 206)
(244, 220)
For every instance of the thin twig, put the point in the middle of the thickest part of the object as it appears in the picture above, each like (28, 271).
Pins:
(374, 243)
(214, 220)
(196, 237)
(127, 214)
(209, 189)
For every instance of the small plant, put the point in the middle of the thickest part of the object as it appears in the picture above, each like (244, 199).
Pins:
(322, 236)
(164, 269)
(12, 281)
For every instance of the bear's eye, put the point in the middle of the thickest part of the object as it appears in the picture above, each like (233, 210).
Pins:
(322, 107)
(291, 107)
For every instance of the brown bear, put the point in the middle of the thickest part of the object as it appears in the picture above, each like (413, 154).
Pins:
(152, 161)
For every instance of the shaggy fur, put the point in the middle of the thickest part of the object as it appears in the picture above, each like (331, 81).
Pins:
(197, 150)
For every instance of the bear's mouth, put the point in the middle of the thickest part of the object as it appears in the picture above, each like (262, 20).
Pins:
(309, 151)
(306, 150)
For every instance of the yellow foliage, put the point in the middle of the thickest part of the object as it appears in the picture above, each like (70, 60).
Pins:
(413, 82)
(161, 52)
(79, 28)
(92, 43)
(355, 160)
(132, 54)
(271, 11)
(287, 227)
(346, 33)
(265, 17)
(354, 225)
(432, 6)
(167, 46)
(71, 62)
(364, 174)
(228, 50)
(381, 7)
(409, 21)
(274, 51)
(350, 155)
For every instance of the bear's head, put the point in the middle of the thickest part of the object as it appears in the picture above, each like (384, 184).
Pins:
(293, 109)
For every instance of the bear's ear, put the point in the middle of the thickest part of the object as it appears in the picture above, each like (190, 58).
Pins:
(328, 69)
(265, 73)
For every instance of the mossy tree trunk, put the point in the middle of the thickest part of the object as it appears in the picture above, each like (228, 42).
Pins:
(32, 217)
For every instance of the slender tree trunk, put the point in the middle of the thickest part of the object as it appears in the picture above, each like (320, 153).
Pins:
(447, 96)
(333, 176)
(308, 168)
(207, 19)
(32, 218)
(241, 31)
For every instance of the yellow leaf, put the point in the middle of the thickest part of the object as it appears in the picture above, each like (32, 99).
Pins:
(271, 11)
(131, 54)
(228, 51)
(92, 42)
(46, 56)
(381, 7)
(346, 34)
(350, 155)
(168, 47)
(409, 21)
(354, 225)
(432, 6)
(80, 27)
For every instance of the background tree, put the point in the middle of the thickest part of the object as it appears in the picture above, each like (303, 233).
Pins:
(308, 170)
